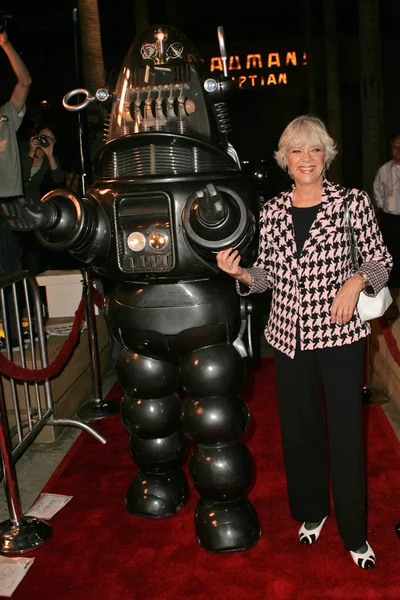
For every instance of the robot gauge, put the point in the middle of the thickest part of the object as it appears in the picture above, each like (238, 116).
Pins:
(168, 193)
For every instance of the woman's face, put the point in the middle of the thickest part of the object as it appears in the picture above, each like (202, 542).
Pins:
(306, 162)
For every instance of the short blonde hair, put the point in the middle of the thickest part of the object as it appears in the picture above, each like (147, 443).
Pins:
(304, 130)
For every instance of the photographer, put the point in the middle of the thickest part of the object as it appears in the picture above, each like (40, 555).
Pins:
(39, 165)
(38, 161)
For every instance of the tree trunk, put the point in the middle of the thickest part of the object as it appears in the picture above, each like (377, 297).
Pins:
(92, 53)
(93, 72)
(334, 116)
(371, 91)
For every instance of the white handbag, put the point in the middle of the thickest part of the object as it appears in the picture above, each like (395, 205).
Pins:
(368, 307)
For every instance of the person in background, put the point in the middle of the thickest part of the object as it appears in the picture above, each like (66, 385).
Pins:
(11, 187)
(73, 181)
(387, 200)
(38, 161)
(316, 332)
(40, 168)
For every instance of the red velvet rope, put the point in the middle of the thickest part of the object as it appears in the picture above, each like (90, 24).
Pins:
(390, 339)
(97, 298)
(7, 367)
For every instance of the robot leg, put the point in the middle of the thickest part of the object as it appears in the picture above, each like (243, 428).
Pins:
(151, 413)
(221, 466)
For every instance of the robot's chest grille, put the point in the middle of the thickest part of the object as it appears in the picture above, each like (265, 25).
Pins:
(152, 159)
(146, 264)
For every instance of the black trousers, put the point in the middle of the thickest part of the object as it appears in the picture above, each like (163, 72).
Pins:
(324, 437)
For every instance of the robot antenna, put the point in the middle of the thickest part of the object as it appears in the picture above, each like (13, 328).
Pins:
(222, 49)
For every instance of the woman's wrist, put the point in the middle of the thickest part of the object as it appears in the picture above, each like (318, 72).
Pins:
(363, 279)
(245, 278)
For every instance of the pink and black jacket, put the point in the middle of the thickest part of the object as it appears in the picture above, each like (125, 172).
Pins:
(304, 287)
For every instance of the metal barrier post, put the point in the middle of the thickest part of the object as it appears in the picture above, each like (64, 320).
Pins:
(96, 408)
(18, 534)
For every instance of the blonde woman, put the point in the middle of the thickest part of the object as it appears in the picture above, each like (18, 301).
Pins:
(316, 332)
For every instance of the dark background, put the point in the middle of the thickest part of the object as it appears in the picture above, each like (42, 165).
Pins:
(43, 32)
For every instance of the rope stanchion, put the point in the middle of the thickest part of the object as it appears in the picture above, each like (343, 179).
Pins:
(20, 534)
(97, 297)
(35, 375)
(96, 408)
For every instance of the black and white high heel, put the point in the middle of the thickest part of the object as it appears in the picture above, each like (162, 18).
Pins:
(309, 536)
(364, 560)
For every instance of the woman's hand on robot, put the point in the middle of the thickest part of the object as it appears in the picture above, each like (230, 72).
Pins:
(228, 261)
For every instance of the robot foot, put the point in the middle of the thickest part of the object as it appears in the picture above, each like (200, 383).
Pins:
(157, 495)
(227, 526)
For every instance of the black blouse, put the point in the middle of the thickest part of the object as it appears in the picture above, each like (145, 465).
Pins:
(303, 218)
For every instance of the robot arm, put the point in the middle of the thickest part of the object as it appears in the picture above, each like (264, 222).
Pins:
(63, 221)
(21, 216)
(217, 217)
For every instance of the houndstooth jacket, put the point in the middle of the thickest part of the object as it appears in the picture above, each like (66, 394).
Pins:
(304, 288)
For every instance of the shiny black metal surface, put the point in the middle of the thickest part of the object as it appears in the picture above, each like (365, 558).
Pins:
(159, 455)
(215, 419)
(227, 526)
(223, 471)
(149, 417)
(213, 371)
(157, 495)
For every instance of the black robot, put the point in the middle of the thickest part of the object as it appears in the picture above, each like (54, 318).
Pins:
(168, 194)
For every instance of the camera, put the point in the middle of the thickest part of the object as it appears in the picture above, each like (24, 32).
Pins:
(43, 140)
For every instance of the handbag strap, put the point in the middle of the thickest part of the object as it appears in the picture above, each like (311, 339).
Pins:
(350, 234)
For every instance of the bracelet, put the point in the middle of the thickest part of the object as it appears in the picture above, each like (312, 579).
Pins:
(364, 278)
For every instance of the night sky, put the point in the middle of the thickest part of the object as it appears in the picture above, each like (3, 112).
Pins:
(42, 31)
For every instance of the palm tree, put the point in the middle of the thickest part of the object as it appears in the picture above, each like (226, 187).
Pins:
(92, 53)
(91, 76)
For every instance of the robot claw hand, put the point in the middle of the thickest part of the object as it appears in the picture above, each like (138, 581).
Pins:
(21, 216)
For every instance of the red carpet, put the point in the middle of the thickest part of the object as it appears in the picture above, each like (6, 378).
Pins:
(99, 552)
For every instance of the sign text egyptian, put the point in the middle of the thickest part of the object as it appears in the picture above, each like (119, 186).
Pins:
(259, 70)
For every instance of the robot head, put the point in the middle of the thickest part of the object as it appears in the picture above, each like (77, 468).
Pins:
(160, 89)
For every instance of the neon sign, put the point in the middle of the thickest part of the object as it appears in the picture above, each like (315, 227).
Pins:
(251, 72)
